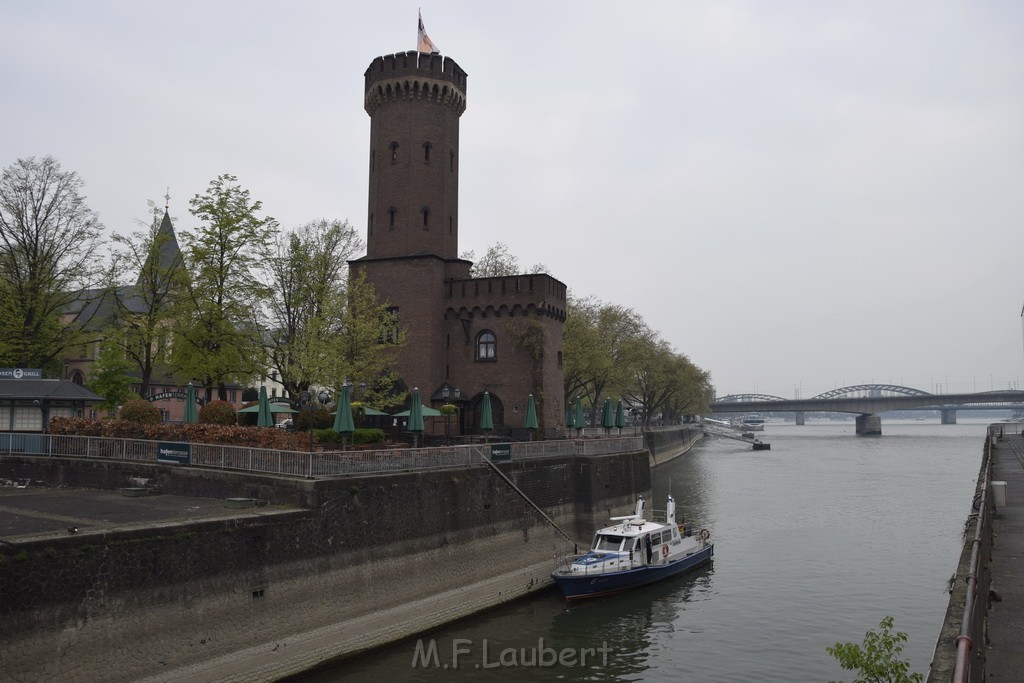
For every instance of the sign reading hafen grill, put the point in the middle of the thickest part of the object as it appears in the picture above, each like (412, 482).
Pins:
(180, 395)
(21, 373)
(173, 453)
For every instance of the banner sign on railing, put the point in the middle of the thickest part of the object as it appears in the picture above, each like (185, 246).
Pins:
(501, 452)
(173, 453)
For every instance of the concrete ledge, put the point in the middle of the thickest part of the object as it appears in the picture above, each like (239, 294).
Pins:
(293, 655)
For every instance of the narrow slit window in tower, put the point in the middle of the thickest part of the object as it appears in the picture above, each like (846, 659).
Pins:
(391, 217)
(426, 217)
(394, 152)
(426, 152)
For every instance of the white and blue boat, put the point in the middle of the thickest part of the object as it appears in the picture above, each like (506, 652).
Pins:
(634, 552)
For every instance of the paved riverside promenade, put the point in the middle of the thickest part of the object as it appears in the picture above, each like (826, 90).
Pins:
(1005, 654)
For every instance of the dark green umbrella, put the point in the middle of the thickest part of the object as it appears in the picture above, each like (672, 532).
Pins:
(531, 415)
(265, 419)
(486, 419)
(343, 422)
(190, 404)
(578, 417)
(415, 424)
(620, 417)
(607, 416)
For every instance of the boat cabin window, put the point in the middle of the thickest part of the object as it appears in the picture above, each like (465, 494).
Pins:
(608, 542)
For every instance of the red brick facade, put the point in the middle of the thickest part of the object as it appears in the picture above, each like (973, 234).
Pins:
(502, 335)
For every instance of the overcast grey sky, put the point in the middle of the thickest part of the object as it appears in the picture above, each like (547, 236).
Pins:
(798, 195)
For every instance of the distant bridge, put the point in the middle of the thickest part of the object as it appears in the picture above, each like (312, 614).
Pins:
(867, 401)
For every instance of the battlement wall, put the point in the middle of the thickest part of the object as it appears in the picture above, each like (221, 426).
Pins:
(413, 65)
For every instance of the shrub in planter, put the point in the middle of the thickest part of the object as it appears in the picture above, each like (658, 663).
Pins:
(217, 413)
(368, 436)
(140, 411)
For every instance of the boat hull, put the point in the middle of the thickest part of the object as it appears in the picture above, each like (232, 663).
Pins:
(582, 586)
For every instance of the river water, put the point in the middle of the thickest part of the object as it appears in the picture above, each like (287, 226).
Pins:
(816, 541)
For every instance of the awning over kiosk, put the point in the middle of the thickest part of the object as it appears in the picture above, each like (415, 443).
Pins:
(26, 405)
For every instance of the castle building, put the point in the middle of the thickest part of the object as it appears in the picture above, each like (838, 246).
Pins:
(465, 335)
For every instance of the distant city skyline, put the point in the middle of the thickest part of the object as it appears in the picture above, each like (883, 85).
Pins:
(798, 196)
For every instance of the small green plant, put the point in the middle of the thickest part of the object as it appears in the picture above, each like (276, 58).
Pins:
(878, 659)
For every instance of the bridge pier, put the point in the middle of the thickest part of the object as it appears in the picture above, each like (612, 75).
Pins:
(869, 425)
(948, 416)
(800, 418)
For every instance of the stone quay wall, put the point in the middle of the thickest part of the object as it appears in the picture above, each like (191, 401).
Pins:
(667, 444)
(261, 595)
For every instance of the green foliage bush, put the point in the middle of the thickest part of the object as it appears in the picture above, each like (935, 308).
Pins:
(327, 436)
(218, 413)
(140, 411)
(366, 435)
(879, 658)
(321, 416)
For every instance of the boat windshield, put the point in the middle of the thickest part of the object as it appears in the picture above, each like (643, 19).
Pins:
(608, 542)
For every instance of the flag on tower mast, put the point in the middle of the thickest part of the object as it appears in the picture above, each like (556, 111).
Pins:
(423, 42)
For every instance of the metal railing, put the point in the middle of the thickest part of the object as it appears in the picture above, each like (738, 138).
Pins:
(974, 609)
(310, 464)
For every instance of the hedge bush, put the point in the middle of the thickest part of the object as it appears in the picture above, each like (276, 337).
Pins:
(321, 416)
(218, 413)
(141, 411)
(231, 435)
(368, 435)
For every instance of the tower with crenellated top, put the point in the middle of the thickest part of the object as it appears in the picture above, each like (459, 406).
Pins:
(501, 335)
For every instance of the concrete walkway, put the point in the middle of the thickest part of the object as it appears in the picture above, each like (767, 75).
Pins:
(1005, 656)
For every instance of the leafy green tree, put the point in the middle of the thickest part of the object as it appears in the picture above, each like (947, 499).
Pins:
(878, 660)
(357, 340)
(145, 311)
(110, 375)
(49, 242)
(307, 276)
(497, 261)
(217, 336)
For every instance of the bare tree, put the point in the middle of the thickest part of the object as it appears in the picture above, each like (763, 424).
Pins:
(49, 262)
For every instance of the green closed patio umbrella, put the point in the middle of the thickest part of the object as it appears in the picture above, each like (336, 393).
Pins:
(343, 422)
(531, 415)
(620, 417)
(415, 424)
(486, 419)
(578, 417)
(265, 418)
(191, 416)
(607, 416)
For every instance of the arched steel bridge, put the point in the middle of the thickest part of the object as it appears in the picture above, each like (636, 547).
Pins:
(868, 401)
(872, 389)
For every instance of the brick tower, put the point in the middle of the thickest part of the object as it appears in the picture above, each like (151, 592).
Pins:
(500, 335)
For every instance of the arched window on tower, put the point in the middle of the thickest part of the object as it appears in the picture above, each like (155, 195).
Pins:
(486, 346)
(426, 152)
(394, 151)
(426, 217)
(391, 217)
(77, 378)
